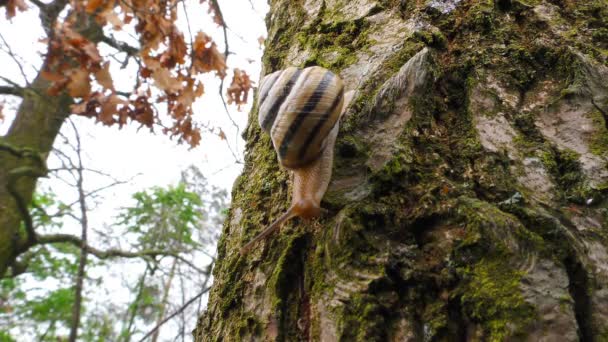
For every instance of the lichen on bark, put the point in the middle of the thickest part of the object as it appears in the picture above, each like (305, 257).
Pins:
(469, 196)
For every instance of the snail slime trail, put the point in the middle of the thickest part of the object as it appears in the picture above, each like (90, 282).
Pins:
(301, 110)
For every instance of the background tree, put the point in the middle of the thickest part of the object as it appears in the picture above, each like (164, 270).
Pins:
(85, 51)
(469, 196)
(168, 233)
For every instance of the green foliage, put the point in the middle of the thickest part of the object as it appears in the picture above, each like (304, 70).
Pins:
(174, 219)
(42, 204)
(164, 218)
(6, 337)
(52, 306)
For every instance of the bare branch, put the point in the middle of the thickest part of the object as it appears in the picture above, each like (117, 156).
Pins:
(120, 46)
(41, 5)
(14, 58)
(177, 312)
(7, 90)
(221, 87)
(113, 252)
(84, 224)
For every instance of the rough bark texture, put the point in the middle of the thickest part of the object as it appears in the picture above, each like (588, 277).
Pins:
(469, 196)
(32, 133)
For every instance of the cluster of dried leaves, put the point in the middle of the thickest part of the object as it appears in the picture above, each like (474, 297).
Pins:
(166, 62)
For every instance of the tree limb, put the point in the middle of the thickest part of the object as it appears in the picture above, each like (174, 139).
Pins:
(120, 46)
(113, 252)
(7, 90)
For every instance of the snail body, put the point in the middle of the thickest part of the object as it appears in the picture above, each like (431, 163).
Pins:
(301, 109)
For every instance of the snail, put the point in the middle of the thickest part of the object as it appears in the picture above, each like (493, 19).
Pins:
(301, 109)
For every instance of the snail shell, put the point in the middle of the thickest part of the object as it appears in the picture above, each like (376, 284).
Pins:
(299, 108)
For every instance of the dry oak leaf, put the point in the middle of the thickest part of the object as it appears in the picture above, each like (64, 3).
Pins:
(79, 84)
(206, 57)
(190, 93)
(93, 5)
(239, 88)
(176, 52)
(109, 106)
(12, 6)
(164, 80)
(109, 16)
(143, 112)
(103, 76)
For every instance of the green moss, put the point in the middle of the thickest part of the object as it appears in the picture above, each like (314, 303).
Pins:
(491, 296)
(564, 167)
(599, 141)
(434, 39)
(400, 57)
(248, 326)
(363, 320)
(230, 293)
(481, 15)
(333, 44)
(281, 37)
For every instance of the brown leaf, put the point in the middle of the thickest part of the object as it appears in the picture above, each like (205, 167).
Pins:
(12, 6)
(1, 114)
(108, 109)
(164, 80)
(177, 51)
(206, 56)
(93, 5)
(51, 76)
(103, 76)
(128, 19)
(79, 84)
(222, 135)
(261, 41)
(143, 112)
(111, 17)
(239, 88)
(215, 13)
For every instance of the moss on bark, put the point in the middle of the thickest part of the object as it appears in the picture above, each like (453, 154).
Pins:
(459, 209)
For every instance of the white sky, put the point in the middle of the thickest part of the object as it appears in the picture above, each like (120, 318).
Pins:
(154, 158)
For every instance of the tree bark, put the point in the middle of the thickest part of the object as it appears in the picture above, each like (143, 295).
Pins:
(26, 146)
(469, 199)
(37, 123)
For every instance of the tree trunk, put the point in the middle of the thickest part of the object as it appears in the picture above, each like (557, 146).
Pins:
(470, 187)
(32, 134)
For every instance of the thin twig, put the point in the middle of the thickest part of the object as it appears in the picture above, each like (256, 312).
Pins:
(177, 312)
(14, 58)
(84, 224)
(218, 10)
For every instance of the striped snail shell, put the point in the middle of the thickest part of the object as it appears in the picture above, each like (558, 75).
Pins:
(301, 109)
(298, 108)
